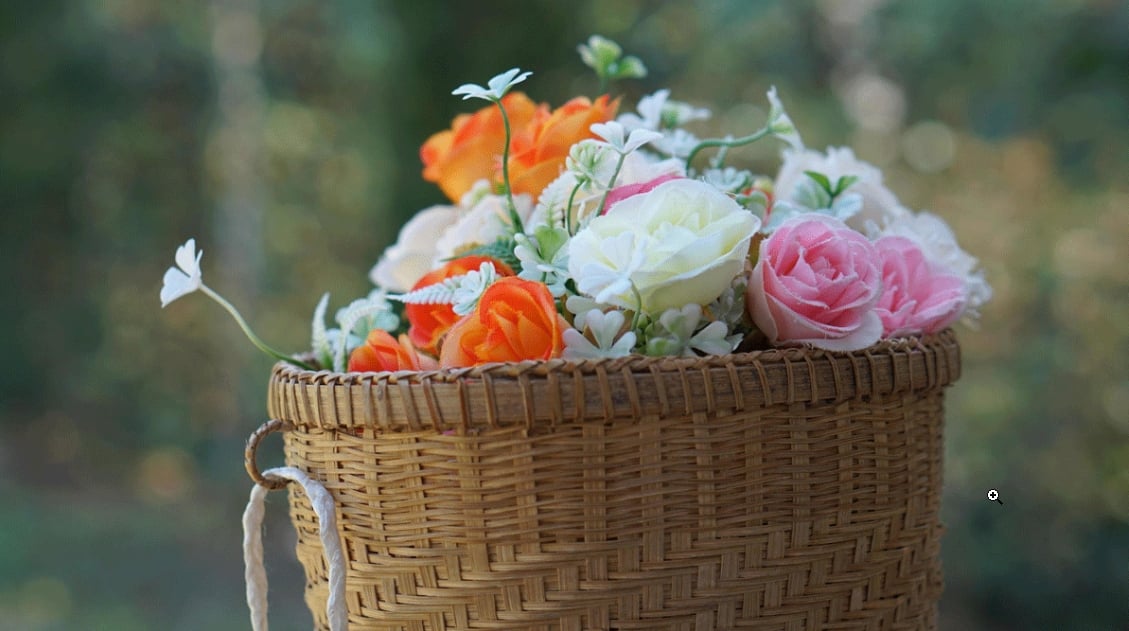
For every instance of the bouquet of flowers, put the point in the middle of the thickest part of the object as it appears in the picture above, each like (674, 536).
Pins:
(584, 232)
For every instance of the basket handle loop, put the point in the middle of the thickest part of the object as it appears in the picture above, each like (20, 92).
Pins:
(254, 572)
(270, 427)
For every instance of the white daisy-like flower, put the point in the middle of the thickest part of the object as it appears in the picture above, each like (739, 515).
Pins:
(607, 275)
(650, 110)
(496, 87)
(677, 143)
(185, 278)
(605, 329)
(657, 112)
(614, 133)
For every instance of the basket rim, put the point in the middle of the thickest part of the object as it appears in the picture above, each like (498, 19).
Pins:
(283, 371)
(532, 393)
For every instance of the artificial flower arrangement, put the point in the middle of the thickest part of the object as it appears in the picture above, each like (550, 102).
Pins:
(583, 233)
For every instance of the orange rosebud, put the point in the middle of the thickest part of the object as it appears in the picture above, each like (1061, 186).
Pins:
(381, 352)
(515, 319)
(430, 322)
(472, 149)
(538, 151)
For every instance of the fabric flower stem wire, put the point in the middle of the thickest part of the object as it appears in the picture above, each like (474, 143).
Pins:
(727, 143)
(251, 334)
(514, 217)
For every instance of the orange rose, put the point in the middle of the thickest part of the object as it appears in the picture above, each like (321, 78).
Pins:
(472, 149)
(430, 322)
(381, 352)
(515, 319)
(539, 142)
(538, 151)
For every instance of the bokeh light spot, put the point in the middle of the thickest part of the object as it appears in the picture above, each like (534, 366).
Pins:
(929, 146)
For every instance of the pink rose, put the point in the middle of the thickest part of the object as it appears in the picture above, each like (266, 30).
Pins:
(816, 282)
(620, 193)
(917, 296)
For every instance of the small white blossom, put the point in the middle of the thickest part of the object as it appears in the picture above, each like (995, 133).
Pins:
(673, 334)
(650, 110)
(677, 113)
(186, 279)
(496, 87)
(613, 133)
(580, 305)
(657, 113)
(607, 277)
(605, 329)
(714, 339)
(590, 161)
(677, 143)
(544, 258)
(728, 180)
(730, 305)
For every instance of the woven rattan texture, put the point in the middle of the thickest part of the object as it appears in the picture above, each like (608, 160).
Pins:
(780, 490)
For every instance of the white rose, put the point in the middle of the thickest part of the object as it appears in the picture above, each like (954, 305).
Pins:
(414, 252)
(937, 241)
(681, 243)
(483, 224)
(879, 205)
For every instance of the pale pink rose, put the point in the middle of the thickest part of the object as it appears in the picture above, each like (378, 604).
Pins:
(917, 296)
(816, 282)
(623, 191)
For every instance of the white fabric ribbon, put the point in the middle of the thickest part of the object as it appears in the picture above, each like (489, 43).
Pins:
(256, 575)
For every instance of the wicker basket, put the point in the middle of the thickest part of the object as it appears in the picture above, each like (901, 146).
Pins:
(785, 489)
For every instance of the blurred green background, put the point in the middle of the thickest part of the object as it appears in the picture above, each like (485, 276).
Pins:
(284, 135)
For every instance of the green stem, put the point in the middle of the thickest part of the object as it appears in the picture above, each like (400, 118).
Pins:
(611, 183)
(251, 334)
(603, 83)
(568, 209)
(638, 307)
(514, 217)
(719, 142)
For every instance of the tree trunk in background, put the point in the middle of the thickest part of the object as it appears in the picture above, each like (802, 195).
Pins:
(235, 159)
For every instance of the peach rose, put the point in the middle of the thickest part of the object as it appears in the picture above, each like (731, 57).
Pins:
(471, 150)
(430, 322)
(538, 151)
(381, 352)
(515, 319)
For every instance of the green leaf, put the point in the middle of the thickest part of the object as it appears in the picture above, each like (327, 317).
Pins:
(844, 183)
(822, 180)
(502, 250)
(550, 240)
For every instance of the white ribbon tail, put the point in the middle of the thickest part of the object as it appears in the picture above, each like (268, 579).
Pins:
(256, 575)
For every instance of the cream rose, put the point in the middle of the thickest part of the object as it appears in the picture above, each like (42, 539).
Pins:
(414, 252)
(486, 221)
(681, 243)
